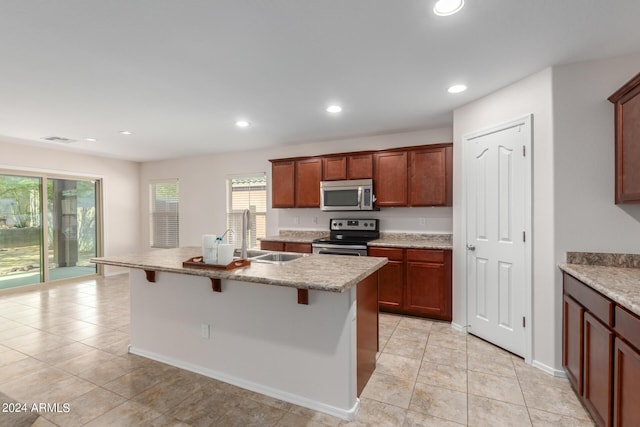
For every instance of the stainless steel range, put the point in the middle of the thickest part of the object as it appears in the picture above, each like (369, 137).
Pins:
(347, 237)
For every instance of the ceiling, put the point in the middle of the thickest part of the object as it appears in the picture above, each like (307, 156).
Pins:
(178, 74)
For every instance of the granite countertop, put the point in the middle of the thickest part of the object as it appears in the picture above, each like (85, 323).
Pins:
(331, 273)
(414, 241)
(392, 240)
(620, 284)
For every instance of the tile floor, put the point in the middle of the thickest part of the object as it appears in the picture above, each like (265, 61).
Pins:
(68, 344)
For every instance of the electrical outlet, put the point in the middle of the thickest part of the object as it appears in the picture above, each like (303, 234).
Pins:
(315, 220)
(296, 220)
(422, 221)
(204, 331)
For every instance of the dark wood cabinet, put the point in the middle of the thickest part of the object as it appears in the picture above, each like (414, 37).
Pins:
(430, 173)
(270, 245)
(304, 248)
(598, 352)
(334, 168)
(626, 102)
(390, 277)
(307, 183)
(283, 184)
(415, 282)
(428, 289)
(572, 345)
(626, 385)
(390, 178)
(360, 166)
(406, 176)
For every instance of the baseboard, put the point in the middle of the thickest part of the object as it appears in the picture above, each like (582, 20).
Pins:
(549, 370)
(459, 328)
(348, 415)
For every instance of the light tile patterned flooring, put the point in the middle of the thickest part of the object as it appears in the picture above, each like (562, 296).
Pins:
(68, 344)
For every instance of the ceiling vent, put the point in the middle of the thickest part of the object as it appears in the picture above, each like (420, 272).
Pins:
(59, 139)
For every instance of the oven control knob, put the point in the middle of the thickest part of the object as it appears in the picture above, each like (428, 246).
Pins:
(340, 224)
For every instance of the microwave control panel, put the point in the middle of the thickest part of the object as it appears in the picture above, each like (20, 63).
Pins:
(354, 224)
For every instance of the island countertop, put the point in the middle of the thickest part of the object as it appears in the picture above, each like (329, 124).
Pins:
(331, 273)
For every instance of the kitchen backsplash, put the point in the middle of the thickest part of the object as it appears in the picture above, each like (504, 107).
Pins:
(413, 220)
(604, 259)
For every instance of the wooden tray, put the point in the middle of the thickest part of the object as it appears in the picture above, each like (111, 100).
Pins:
(198, 262)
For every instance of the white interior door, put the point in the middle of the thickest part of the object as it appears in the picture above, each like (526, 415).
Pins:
(498, 206)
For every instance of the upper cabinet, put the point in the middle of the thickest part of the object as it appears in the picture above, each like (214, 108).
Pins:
(307, 183)
(390, 178)
(408, 176)
(353, 166)
(627, 125)
(283, 183)
(430, 176)
(360, 166)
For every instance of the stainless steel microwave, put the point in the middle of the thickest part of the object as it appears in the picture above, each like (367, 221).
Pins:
(349, 195)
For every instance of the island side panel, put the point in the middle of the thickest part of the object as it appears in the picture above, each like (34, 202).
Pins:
(367, 328)
(260, 337)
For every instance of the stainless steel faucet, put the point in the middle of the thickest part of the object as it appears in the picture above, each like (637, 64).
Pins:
(246, 224)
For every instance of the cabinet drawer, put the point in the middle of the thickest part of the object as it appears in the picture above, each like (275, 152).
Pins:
(269, 245)
(304, 248)
(426, 255)
(394, 254)
(598, 305)
(628, 326)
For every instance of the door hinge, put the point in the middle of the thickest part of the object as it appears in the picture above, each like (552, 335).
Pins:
(524, 150)
(524, 236)
(524, 322)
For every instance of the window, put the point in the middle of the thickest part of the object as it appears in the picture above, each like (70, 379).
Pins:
(247, 192)
(164, 198)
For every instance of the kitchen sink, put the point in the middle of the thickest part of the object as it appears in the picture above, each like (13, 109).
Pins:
(269, 257)
(277, 257)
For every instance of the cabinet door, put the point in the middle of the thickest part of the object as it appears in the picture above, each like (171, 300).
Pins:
(268, 245)
(428, 183)
(598, 369)
(360, 166)
(304, 248)
(428, 288)
(282, 184)
(308, 174)
(626, 385)
(572, 344)
(390, 278)
(334, 168)
(390, 178)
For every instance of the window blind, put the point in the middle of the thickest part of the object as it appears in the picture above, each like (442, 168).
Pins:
(247, 192)
(164, 204)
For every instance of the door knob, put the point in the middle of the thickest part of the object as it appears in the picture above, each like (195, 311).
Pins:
(471, 248)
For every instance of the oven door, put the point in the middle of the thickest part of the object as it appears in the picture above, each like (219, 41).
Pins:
(349, 250)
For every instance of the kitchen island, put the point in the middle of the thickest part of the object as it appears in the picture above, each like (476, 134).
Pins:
(304, 331)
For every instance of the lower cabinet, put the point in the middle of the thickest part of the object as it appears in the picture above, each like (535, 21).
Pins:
(600, 354)
(271, 245)
(415, 282)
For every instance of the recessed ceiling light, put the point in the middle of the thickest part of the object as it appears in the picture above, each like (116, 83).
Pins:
(457, 89)
(90, 139)
(447, 7)
(242, 123)
(125, 132)
(334, 109)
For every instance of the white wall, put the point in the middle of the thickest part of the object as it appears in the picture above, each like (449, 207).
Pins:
(120, 188)
(586, 218)
(203, 191)
(531, 95)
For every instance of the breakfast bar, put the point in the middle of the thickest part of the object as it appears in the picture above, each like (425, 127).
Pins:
(304, 331)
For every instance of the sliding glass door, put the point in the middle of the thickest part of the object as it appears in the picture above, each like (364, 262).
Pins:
(69, 232)
(20, 230)
(72, 232)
